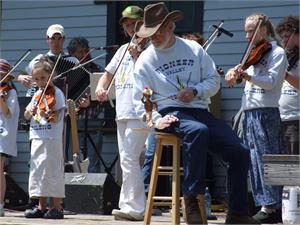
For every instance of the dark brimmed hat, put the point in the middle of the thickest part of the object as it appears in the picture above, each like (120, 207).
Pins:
(156, 15)
(131, 12)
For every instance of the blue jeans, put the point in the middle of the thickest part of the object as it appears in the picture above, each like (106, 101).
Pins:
(200, 131)
(149, 154)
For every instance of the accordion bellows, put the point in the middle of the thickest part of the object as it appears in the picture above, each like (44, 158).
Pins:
(73, 82)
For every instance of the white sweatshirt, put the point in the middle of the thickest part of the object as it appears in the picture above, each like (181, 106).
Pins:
(290, 98)
(264, 88)
(166, 71)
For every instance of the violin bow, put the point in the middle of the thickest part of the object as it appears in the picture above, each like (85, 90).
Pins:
(49, 80)
(246, 54)
(165, 98)
(15, 66)
(250, 44)
(114, 77)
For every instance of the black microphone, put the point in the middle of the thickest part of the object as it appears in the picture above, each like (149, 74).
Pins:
(108, 48)
(223, 30)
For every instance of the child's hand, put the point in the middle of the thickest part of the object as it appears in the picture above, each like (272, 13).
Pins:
(44, 114)
(33, 110)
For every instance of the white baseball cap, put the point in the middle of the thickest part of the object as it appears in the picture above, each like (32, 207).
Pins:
(55, 29)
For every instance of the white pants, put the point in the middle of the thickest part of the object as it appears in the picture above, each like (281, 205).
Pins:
(46, 176)
(131, 143)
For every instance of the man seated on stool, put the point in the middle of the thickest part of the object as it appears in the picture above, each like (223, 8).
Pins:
(175, 66)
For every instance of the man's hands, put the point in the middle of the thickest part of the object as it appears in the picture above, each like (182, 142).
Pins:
(166, 121)
(134, 50)
(101, 94)
(26, 80)
(185, 95)
(235, 73)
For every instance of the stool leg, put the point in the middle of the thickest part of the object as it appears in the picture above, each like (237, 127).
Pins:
(176, 184)
(201, 204)
(153, 181)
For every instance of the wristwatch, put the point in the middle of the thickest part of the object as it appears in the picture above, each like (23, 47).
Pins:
(195, 92)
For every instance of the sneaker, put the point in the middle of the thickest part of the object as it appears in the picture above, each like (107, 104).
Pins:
(34, 213)
(240, 219)
(1, 211)
(54, 213)
(131, 216)
(190, 210)
(156, 212)
(263, 217)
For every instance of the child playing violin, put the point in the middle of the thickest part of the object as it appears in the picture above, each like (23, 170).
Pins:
(9, 115)
(46, 177)
(261, 123)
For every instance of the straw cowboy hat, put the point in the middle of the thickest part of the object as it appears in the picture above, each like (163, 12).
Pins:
(156, 15)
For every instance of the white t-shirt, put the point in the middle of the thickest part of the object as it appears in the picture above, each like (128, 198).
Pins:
(40, 128)
(9, 124)
(167, 71)
(123, 83)
(264, 88)
(290, 98)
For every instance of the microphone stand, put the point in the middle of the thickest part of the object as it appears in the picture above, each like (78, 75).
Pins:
(213, 36)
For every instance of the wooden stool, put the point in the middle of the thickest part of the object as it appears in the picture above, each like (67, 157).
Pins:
(165, 139)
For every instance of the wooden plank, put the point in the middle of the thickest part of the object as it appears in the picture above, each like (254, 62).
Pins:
(282, 181)
(42, 4)
(242, 13)
(47, 12)
(221, 4)
(43, 23)
(22, 35)
(282, 169)
(281, 158)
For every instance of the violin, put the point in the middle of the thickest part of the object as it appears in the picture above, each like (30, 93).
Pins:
(47, 102)
(4, 89)
(256, 54)
(141, 43)
(148, 105)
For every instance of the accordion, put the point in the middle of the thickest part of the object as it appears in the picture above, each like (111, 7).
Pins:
(72, 81)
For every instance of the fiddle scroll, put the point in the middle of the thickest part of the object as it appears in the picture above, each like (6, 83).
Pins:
(148, 105)
(4, 89)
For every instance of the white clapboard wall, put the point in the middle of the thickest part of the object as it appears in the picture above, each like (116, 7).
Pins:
(227, 51)
(23, 26)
